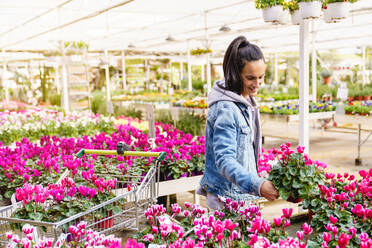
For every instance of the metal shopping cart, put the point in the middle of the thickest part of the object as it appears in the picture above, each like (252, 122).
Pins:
(133, 196)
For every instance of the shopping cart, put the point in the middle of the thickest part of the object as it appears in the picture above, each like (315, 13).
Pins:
(133, 196)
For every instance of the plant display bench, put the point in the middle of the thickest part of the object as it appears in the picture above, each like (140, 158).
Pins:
(287, 120)
(349, 122)
(127, 206)
(184, 184)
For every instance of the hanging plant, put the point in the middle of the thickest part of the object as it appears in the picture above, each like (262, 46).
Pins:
(200, 51)
(293, 8)
(310, 9)
(335, 10)
(272, 10)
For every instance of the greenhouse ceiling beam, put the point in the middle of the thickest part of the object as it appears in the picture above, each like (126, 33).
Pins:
(89, 16)
(167, 21)
(195, 30)
(250, 29)
(34, 18)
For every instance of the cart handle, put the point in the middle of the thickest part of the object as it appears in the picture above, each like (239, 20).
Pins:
(160, 155)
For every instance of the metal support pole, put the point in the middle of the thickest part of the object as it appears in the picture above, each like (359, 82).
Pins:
(276, 80)
(123, 70)
(58, 83)
(313, 62)
(109, 106)
(5, 81)
(364, 80)
(358, 160)
(202, 72)
(304, 84)
(208, 74)
(147, 71)
(181, 70)
(66, 104)
(189, 66)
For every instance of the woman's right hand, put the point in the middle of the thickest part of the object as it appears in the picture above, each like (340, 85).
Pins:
(269, 191)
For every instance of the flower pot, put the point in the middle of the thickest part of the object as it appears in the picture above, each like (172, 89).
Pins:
(326, 80)
(296, 17)
(339, 10)
(293, 199)
(274, 14)
(106, 223)
(327, 17)
(366, 98)
(350, 98)
(310, 10)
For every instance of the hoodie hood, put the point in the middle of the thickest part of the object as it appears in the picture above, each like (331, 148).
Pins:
(218, 94)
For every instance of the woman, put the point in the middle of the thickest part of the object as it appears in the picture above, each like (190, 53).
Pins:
(233, 138)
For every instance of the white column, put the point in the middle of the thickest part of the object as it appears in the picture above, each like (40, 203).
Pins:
(5, 84)
(313, 62)
(276, 81)
(107, 74)
(58, 83)
(208, 74)
(313, 71)
(189, 67)
(65, 95)
(364, 79)
(202, 72)
(147, 71)
(304, 84)
(123, 69)
(181, 70)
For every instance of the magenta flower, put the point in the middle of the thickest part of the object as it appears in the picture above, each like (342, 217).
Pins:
(332, 219)
(287, 212)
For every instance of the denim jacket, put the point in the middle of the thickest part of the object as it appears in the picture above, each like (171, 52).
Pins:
(231, 156)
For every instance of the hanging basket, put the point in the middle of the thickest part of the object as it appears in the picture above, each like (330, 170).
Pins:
(310, 10)
(274, 14)
(338, 10)
(296, 17)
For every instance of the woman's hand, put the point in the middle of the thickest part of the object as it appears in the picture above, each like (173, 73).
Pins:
(269, 191)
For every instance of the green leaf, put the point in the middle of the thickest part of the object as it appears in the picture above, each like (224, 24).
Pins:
(36, 216)
(8, 194)
(303, 172)
(284, 193)
(292, 171)
(296, 184)
(314, 202)
(116, 210)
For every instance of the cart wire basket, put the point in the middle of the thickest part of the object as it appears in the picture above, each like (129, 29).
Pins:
(127, 207)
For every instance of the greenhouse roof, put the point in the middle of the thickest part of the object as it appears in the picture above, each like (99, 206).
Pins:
(164, 25)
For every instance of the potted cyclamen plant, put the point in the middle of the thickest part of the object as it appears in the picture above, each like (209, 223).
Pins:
(294, 174)
(335, 10)
(293, 8)
(310, 9)
(272, 10)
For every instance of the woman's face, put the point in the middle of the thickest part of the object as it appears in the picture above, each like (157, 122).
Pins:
(252, 74)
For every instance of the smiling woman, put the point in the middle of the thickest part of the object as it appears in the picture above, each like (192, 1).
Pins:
(233, 136)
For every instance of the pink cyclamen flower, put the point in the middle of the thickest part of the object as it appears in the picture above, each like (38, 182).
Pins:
(287, 212)
(307, 229)
(300, 235)
(332, 219)
(277, 221)
(326, 236)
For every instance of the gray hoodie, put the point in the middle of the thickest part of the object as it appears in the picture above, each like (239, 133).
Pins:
(218, 94)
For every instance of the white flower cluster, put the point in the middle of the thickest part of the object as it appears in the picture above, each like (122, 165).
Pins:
(44, 120)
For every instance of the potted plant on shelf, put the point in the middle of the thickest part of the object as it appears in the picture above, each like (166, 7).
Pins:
(326, 75)
(335, 10)
(310, 9)
(272, 10)
(293, 8)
